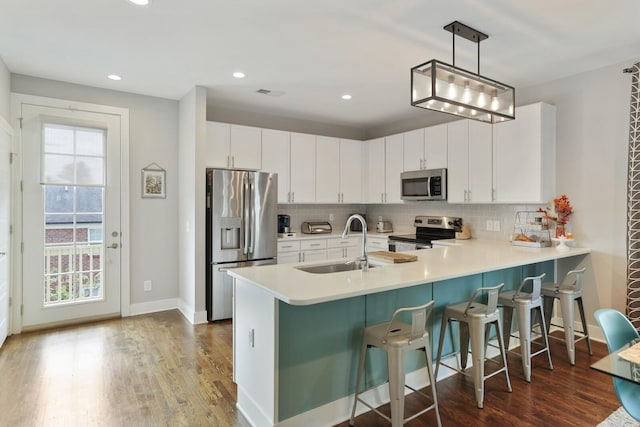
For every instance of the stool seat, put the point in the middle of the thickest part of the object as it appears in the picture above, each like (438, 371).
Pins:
(569, 292)
(397, 338)
(524, 303)
(474, 319)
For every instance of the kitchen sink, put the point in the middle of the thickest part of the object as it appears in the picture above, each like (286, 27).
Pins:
(333, 268)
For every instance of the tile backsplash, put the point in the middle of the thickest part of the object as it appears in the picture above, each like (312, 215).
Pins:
(475, 216)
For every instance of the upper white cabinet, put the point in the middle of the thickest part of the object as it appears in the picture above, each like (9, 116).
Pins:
(524, 152)
(384, 166)
(351, 155)
(327, 169)
(303, 168)
(469, 158)
(375, 171)
(233, 146)
(275, 158)
(425, 148)
(393, 167)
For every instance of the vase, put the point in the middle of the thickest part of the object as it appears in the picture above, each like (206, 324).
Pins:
(560, 230)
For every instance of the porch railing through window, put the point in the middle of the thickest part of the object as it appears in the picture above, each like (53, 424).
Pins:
(72, 273)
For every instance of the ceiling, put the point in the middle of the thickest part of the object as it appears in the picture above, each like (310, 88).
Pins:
(312, 50)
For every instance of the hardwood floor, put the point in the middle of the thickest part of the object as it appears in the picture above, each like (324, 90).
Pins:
(158, 370)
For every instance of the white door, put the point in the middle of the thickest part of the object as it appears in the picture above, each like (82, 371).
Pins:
(303, 168)
(71, 214)
(5, 210)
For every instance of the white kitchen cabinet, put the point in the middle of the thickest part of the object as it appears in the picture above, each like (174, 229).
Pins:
(288, 251)
(393, 167)
(425, 148)
(275, 158)
(413, 150)
(327, 169)
(349, 247)
(524, 156)
(313, 250)
(303, 168)
(469, 158)
(377, 244)
(351, 155)
(435, 147)
(375, 182)
(233, 146)
(384, 166)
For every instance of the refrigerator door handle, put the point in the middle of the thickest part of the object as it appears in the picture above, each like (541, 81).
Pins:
(246, 217)
(252, 225)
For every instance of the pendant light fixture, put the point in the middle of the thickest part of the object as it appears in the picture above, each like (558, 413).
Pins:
(442, 87)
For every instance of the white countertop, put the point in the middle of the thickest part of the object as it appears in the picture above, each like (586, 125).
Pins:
(463, 258)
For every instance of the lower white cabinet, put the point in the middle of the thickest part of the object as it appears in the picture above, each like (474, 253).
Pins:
(318, 249)
(377, 244)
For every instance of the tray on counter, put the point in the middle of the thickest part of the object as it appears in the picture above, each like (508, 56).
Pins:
(393, 257)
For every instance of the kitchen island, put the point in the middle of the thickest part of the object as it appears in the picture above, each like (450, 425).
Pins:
(297, 335)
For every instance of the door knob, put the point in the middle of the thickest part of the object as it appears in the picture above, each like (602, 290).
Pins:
(114, 246)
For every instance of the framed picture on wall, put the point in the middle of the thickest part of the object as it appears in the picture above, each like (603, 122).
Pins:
(154, 182)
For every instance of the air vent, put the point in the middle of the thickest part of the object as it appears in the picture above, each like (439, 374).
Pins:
(270, 92)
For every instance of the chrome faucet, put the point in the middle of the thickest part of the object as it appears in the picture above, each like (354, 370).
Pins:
(364, 258)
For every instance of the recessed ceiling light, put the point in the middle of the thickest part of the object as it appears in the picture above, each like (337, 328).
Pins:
(140, 2)
(239, 75)
(346, 96)
(114, 77)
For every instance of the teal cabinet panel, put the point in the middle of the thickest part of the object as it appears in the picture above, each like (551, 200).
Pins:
(379, 309)
(548, 267)
(511, 277)
(449, 292)
(318, 350)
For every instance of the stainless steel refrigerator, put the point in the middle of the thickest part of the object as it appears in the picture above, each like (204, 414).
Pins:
(241, 228)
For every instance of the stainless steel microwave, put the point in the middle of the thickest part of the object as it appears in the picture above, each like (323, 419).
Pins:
(428, 184)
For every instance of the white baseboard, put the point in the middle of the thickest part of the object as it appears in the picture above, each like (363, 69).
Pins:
(153, 306)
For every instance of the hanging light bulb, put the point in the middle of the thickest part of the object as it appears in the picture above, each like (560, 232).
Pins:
(482, 98)
(495, 105)
(452, 88)
(466, 94)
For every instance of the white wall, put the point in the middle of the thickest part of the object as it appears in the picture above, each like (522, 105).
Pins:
(5, 91)
(153, 138)
(592, 144)
(191, 223)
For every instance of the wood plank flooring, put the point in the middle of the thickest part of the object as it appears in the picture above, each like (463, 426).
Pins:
(158, 370)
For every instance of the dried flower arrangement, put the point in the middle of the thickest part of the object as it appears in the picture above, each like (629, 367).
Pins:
(559, 211)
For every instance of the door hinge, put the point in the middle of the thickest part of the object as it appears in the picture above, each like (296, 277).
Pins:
(10, 301)
(22, 247)
(20, 120)
(11, 158)
(21, 186)
(10, 229)
(21, 309)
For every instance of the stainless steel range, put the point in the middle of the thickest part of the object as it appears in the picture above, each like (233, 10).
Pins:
(428, 228)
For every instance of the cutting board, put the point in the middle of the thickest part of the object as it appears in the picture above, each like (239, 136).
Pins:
(393, 257)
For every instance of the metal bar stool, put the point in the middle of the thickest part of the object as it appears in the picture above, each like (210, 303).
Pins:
(475, 320)
(397, 339)
(568, 291)
(524, 302)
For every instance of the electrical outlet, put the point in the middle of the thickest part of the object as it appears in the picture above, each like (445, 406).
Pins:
(330, 217)
(489, 225)
(496, 225)
(147, 285)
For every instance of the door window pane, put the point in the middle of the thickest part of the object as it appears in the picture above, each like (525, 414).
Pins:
(73, 214)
